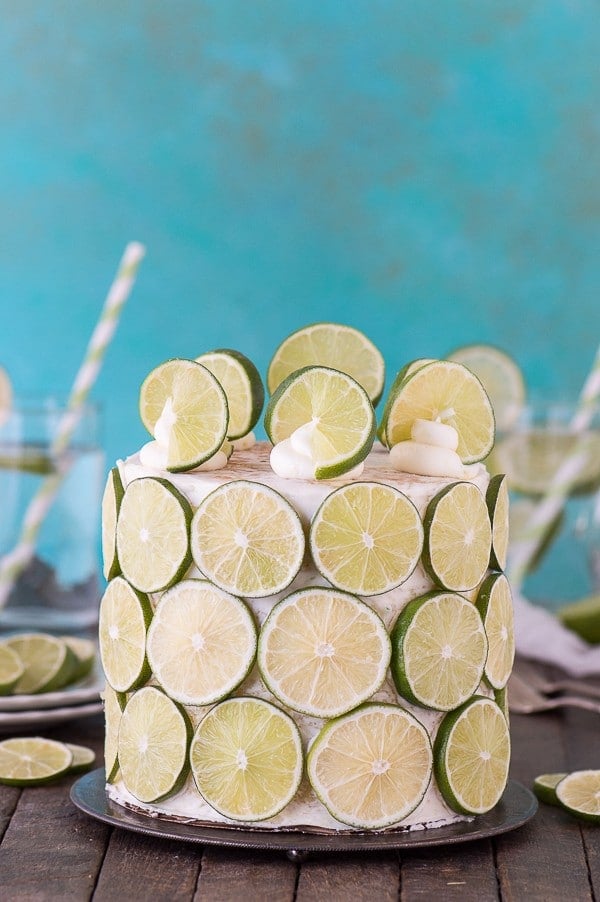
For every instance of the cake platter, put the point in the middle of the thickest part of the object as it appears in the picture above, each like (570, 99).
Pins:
(517, 806)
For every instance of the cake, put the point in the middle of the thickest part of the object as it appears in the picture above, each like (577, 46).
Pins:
(364, 682)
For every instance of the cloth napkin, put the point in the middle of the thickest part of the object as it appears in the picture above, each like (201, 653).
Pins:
(540, 635)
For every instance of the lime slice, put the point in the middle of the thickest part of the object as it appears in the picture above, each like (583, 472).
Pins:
(544, 787)
(531, 459)
(153, 534)
(501, 377)
(401, 376)
(183, 403)
(83, 758)
(6, 395)
(246, 759)
(583, 617)
(194, 622)
(458, 537)
(439, 649)
(330, 344)
(450, 392)
(372, 767)
(242, 385)
(579, 793)
(114, 703)
(33, 761)
(111, 503)
(123, 622)
(494, 603)
(339, 410)
(323, 652)
(496, 498)
(247, 539)
(366, 538)
(154, 737)
(11, 669)
(49, 663)
(85, 655)
(471, 756)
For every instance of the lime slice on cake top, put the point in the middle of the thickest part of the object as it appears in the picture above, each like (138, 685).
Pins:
(242, 385)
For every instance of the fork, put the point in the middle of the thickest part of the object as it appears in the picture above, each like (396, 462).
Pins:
(533, 677)
(524, 699)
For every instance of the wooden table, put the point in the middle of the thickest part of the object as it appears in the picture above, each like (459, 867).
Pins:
(50, 850)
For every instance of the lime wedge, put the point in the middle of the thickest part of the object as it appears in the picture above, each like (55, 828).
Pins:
(11, 669)
(111, 503)
(448, 391)
(458, 537)
(366, 538)
(186, 404)
(579, 793)
(439, 650)
(323, 652)
(123, 622)
(247, 539)
(531, 459)
(194, 622)
(583, 617)
(114, 703)
(471, 756)
(246, 759)
(372, 767)
(83, 758)
(6, 395)
(496, 498)
(154, 737)
(85, 655)
(153, 534)
(33, 761)
(339, 410)
(49, 663)
(501, 377)
(242, 385)
(330, 344)
(544, 787)
(494, 603)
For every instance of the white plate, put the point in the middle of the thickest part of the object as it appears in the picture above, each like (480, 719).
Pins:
(27, 720)
(86, 690)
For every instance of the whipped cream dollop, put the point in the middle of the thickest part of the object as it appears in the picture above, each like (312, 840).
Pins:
(430, 451)
(294, 457)
(156, 454)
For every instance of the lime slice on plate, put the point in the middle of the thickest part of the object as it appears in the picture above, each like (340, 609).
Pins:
(579, 793)
(471, 756)
(123, 621)
(494, 603)
(49, 663)
(544, 787)
(337, 411)
(439, 650)
(33, 761)
(496, 498)
(111, 504)
(242, 385)
(183, 403)
(372, 767)
(246, 759)
(366, 538)
(531, 459)
(193, 624)
(583, 617)
(114, 703)
(450, 392)
(153, 534)
(83, 758)
(458, 537)
(501, 377)
(11, 669)
(323, 652)
(332, 345)
(247, 539)
(85, 654)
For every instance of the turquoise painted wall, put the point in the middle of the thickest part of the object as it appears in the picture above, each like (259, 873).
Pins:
(425, 171)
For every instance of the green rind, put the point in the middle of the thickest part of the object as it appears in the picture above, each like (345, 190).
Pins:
(112, 568)
(583, 618)
(495, 486)
(576, 812)
(484, 597)
(257, 390)
(84, 662)
(62, 677)
(144, 671)
(83, 758)
(401, 376)
(544, 788)
(41, 781)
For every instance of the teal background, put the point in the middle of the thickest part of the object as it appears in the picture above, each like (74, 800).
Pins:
(425, 171)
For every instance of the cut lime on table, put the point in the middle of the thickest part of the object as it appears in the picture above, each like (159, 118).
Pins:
(194, 624)
(242, 385)
(531, 458)
(494, 603)
(123, 622)
(439, 650)
(579, 793)
(33, 761)
(501, 377)
(496, 498)
(366, 538)
(246, 759)
(472, 755)
(583, 617)
(458, 537)
(49, 663)
(334, 409)
(332, 345)
(446, 391)
(111, 503)
(323, 652)
(247, 539)
(114, 703)
(153, 534)
(544, 787)
(83, 758)
(372, 767)
(184, 406)
(154, 731)
(11, 669)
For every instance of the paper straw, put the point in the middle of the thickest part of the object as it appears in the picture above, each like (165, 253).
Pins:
(13, 563)
(523, 552)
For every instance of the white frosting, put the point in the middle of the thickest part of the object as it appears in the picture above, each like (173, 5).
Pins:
(430, 451)
(155, 455)
(294, 457)
(164, 424)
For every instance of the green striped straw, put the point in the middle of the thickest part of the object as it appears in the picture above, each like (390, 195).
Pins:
(13, 563)
(523, 552)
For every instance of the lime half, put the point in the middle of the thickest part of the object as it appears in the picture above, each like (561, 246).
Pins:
(33, 761)
(242, 385)
(501, 377)
(544, 787)
(583, 617)
(579, 793)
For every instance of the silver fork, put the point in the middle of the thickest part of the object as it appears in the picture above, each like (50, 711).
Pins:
(532, 676)
(524, 699)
